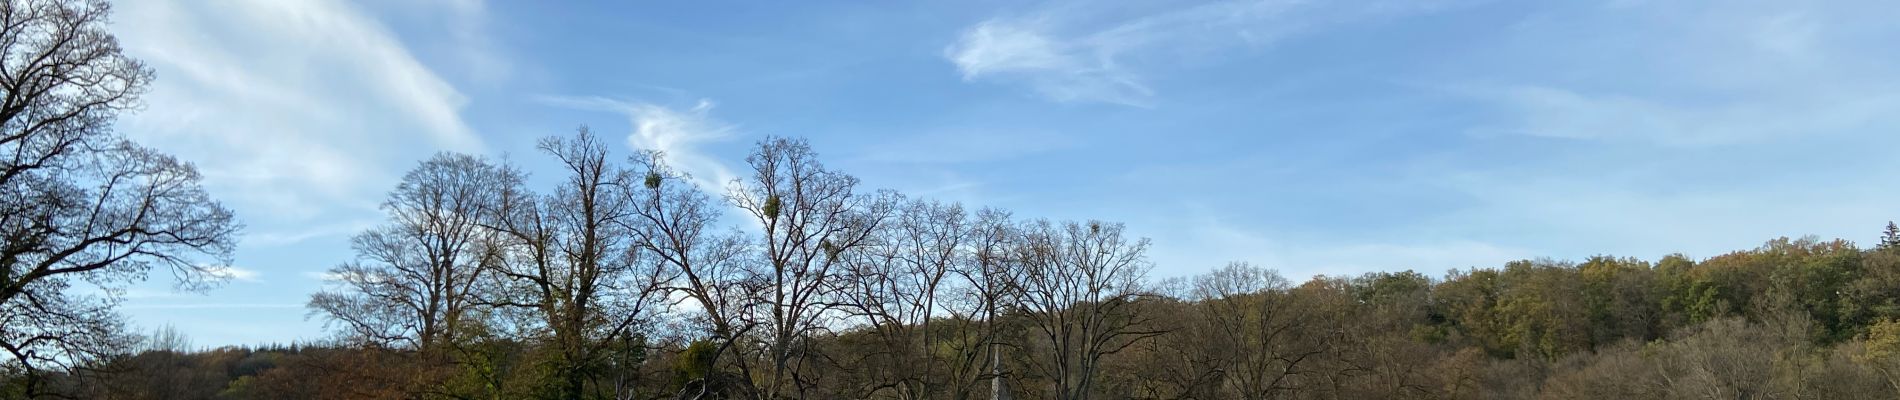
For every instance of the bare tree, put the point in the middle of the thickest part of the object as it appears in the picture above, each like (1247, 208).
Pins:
(1251, 331)
(673, 220)
(415, 278)
(809, 217)
(984, 291)
(78, 203)
(571, 260)
(1077, 283)
(895, 287)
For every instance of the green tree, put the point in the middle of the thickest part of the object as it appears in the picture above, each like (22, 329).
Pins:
(1890, 238)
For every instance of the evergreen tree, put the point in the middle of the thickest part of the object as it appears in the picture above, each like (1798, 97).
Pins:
(1891, 237)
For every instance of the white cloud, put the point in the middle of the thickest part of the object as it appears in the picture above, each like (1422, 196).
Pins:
(676, 132)
(232, 273)
(995, 46)
(335, 278)
(1060, 70)
(135, 293)
(295, 110)
(300, 234)
(325, 275)
(1075, 53)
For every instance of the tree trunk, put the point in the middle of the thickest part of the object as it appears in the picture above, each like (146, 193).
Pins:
(999, 390)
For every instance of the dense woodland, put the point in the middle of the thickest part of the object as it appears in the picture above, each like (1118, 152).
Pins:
(624, 278)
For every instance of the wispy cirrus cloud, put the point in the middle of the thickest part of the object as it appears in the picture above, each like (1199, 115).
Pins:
(1053, 67)
(288, 137)
(294, 235)
(330, 277)
(1078, 53)
(233, 273)
(301, 114)
(674, 131)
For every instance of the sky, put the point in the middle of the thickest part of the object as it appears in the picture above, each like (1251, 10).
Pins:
(1312, 137)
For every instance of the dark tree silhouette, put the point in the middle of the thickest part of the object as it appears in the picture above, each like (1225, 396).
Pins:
(79, 204)
(417, 277)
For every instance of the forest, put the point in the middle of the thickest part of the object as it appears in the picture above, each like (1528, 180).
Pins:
(623, 277)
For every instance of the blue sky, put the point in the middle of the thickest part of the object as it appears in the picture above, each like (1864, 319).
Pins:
(1314, 137)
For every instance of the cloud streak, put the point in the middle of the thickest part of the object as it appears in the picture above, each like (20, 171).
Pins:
(1055, 68)
(676, 132)
(1073, 53)
(232, 273)
(288, 136)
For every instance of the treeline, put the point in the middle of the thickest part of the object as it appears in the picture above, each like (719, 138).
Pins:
(619, 282)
